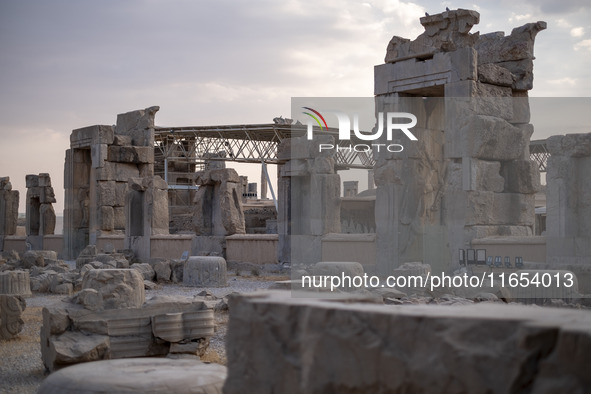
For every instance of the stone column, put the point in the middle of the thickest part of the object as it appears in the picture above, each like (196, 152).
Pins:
(146, 213)
(40, 212)
(568, 221)
(309, 199)
(8, 209)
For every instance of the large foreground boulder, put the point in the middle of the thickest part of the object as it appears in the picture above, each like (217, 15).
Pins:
(282, 344)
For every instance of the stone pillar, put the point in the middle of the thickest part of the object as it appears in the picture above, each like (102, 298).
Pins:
(40, 212)
(469, 175)
(218, 210)
(309, 199)
(146, 213)
(263, 183)
(568, 220)
(8, 209)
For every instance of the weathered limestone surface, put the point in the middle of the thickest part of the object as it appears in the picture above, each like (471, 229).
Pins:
(40, 212)
(72, 333)
(218, 206)
(470, 172)
(146, 210)
(277, 343)
(15, 283)
(100, 162)
(308, 197)
(11, 309)
(205, 271)
(8, 208)
(567, 198)
(115, 289)
(138, 375)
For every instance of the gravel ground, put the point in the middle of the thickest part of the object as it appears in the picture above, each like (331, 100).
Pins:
(21, 368)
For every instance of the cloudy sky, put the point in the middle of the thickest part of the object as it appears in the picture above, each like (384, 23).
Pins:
(69, 64)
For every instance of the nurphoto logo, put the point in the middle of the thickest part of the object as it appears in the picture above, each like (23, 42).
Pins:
(345, 130)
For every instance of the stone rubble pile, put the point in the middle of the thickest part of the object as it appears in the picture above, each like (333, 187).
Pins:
(109, 319)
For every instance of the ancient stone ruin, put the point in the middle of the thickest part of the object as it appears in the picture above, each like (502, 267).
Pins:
(146, 213)
(309, 199)
(40, 212)
(568, 191)
(8, 209)
(98, 166)
(110, 318)
(469, 175)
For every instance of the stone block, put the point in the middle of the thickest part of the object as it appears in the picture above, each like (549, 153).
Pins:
(570, 145)
(145, 270)
(362, 348)
(122, 140)
(15, 283)
(490, 138)
(131, 154)
(163, 271)
(11, 310)
(205, 271)
(521, 176)
(521, 111)
(489, 208)
(87, 136)
(107, 217)
(139, 125)
(31, 181)
(482, 175)
(119, 288)
(47, 219)
(38, 258)
(98, 155)
(106, 192)
(494, 75)
(120, 192)
(75, 347)
(120, 172)
(177, 327)
(138, 375)
(55, 321)
(119, 218)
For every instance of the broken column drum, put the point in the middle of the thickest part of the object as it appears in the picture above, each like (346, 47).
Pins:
(205, 271)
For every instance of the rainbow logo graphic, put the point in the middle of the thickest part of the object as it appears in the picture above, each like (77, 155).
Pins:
(315, 118)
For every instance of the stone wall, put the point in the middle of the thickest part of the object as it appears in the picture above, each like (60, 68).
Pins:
(469, 175)
(98, 166)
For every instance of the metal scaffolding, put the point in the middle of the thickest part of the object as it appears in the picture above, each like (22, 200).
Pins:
(539, 153)
(181, 151)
